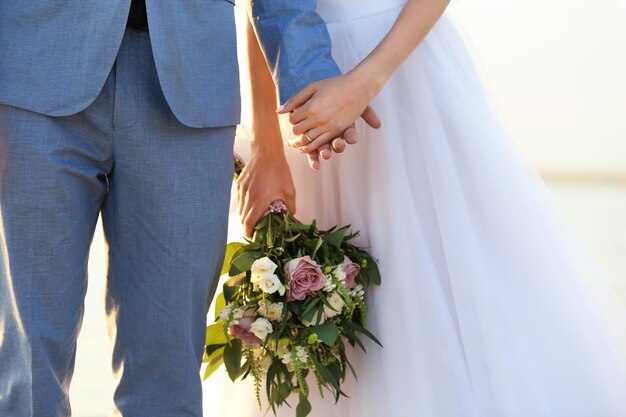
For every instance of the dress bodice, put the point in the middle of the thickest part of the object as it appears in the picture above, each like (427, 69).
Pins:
(342, 10)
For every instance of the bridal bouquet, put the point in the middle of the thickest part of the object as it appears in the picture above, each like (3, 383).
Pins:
(294, 296)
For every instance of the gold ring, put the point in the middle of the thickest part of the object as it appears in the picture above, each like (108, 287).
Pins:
(306, 135)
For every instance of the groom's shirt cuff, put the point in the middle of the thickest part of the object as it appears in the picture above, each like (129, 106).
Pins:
(295, 42)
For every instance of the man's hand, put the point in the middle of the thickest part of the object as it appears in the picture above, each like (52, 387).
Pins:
(337, 145)
(264, 179)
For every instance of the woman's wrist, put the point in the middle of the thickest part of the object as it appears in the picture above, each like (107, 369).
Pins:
(267, 145)
(368, 77)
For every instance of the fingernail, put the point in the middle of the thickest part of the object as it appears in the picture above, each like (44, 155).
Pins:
(281, 108)
(325, 154)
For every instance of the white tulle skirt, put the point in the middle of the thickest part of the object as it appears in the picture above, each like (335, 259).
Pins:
(488, 307)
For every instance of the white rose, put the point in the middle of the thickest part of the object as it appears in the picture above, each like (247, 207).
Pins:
(263, 266)
(261, 328)
(337, 304)
(255, 279)
(269, 283)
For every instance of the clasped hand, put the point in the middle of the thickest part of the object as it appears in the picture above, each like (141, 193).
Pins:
(323, 114)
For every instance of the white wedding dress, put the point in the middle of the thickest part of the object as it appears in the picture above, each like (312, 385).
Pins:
(487, 307)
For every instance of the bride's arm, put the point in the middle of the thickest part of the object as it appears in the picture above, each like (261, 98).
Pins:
(325, 106)
(266, 176)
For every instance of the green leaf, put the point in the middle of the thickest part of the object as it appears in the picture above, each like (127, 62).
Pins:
(270, 231)
(357, 327)
(220, 302)
(215, 334)
(231, 249)
(372, 272)
(232, 358)
(269, 378)
(327, 332)
(335, 238)
(314, 245)
(298, 227)
(311, 310)
(214, 361)
(210, 349)
(353, 338)
(243, 262)
(322, 297)
(304, 407)
(232, 284)
(326, 375)
(262, 224)
(334, 369)
(282, 393)
(293, 238)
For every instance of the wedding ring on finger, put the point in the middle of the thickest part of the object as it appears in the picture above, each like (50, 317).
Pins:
(308, 138)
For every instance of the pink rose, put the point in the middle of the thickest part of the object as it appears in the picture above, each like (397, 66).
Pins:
(242, 331)
(304, 277)
(351, 270)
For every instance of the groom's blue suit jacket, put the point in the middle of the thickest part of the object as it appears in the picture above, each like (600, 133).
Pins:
(55, 55)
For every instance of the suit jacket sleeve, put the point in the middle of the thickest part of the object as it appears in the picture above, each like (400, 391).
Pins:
(295, 42)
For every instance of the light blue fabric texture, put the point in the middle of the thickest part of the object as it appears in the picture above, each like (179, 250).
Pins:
(139, 127)
(295, 43)
(163, 189)
(56, 55)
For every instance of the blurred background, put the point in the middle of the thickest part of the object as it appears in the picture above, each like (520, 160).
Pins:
(556, 70)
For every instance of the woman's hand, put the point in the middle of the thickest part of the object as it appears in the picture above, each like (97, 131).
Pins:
(323, 110)
(264, 179)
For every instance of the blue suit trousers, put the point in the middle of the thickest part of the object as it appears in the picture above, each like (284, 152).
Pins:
(162, 189)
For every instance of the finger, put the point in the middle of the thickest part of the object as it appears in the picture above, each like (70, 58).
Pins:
(298, 99)
(325, 152)
(252, 215)
(317, 143)
(371, 118)
(305, 125)
(240, 202)
(299, 114)
(241, 195)
(314, 160)
(290, 202)
(351, 135)
(306, 138)
(338, 145)
(298, 142)
(248, 228)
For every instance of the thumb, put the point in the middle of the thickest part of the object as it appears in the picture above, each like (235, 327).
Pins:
(371, 118)
(297, 99)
